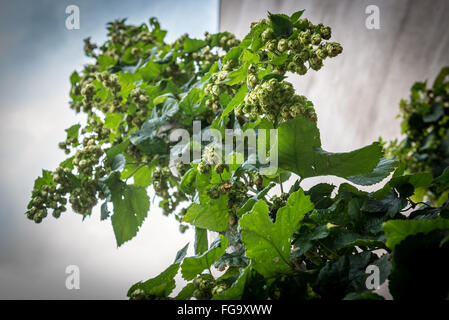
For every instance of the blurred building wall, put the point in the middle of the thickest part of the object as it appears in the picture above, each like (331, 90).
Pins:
(356, 94)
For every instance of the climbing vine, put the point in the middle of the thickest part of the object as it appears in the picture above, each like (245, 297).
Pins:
(301, 244)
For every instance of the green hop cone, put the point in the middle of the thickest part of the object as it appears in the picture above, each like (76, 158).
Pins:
(294, 45)
(213, 193)
(202, 295)
(267, 35)
(203, 167)
(315, 63)
(316, 39)
(326, 33)
(301, 69)
(252, 80)
(282, 45)
(219, 168)
(272, 45)
(321, 53)
(292, 67)
(304, 55)
(334, 49)
(138, 294)
(252, 68)
(219, 289)
(305, 38)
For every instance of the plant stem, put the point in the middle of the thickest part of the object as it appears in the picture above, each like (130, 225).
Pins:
(280, 182)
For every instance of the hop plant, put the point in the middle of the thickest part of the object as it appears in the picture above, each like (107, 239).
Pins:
(425, 119)
(216, 87)
(277, 101)
(204, 284)
(305, 43)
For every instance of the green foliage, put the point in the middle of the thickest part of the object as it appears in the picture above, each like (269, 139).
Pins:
(131, 205)
(267, 243)
(279, 245)
(192, 266)
(425, 123)
(300, 152)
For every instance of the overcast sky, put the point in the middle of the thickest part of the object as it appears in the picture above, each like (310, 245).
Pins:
(37, 56)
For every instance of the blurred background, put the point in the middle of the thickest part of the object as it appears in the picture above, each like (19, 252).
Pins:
(356, 97)
(37, 56)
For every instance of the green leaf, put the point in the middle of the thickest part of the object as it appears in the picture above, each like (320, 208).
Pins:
(281, 24)
(170, 108)
(192, 266)
(187, 292)
(45, 179)
(237, 76)
(73, 131)
(420, 268)
(146, 139)
(299, 151)
(127, 84)
(379, 173)
(440, 80)
(180, 255)
(295, 16)
(212, 215)
(443, 181)
(305, 240)
(345, 275)
(237, 289)
(233, 54)
(142, 177)
(251, 201)
(436, 112)
(118, 163)
(278, 60)
(390, 205)
(128, 57)
(105, 213)
(255, 37)
(398, 230)
(267, 243)
(117, 149)
(105, 61)
(190, 103)
(74, 78)
(188, 182)
(68, 163)
(162, 98)
(166, 59)
(192, 45)
(234, 259)
(112, 120)
(162, 285)
(149, 71)
(385, 266)
(201, 242)
(236, 101)
(131, 205)
(320, 195)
